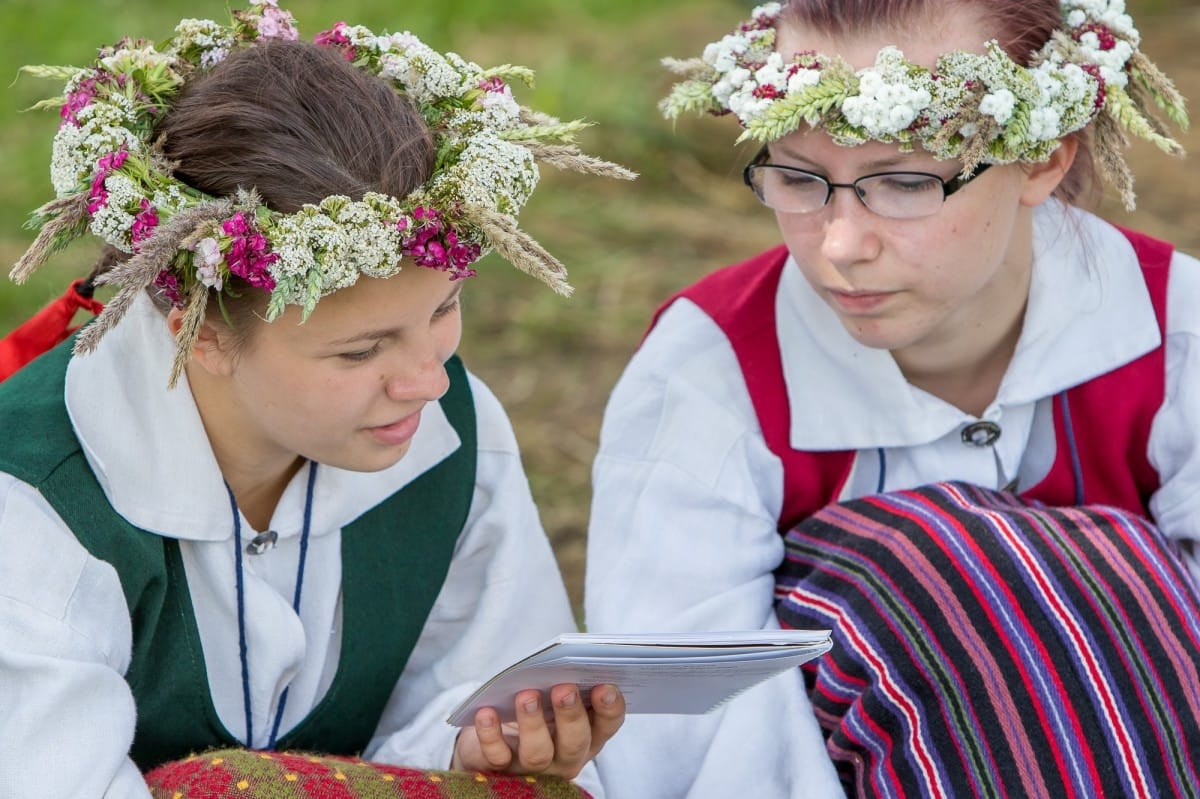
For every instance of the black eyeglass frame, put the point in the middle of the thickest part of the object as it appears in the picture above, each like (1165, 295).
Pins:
(948, 186)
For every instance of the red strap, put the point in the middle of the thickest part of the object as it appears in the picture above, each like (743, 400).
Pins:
(741, 300)
(1111, 415)
(48, 327)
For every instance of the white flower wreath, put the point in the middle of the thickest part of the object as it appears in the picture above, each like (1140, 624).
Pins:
(111, 179)
(977, 107)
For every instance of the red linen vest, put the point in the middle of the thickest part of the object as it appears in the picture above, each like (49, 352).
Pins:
(1110, 414)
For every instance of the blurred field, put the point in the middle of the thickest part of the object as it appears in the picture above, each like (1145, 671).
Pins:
(628, 246)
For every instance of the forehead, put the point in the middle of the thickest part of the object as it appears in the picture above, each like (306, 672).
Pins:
(922, 39)
(371, 304)
(815, 150)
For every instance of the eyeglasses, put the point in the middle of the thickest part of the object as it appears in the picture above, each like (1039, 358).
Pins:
(895, 195)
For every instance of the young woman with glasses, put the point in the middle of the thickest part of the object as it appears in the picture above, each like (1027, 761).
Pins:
(954, 417)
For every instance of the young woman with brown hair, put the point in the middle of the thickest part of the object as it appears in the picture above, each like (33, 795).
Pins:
(264, 505)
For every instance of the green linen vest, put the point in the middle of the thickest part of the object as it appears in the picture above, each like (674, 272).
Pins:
(394, 560)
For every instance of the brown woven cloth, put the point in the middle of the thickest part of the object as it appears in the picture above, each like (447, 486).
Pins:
(243, 774)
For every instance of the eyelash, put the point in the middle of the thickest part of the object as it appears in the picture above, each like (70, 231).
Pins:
(362, 355)
(446, 309)
(366, 355)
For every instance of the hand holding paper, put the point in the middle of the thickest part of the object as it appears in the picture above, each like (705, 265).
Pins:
(557, 738)
(657, 673)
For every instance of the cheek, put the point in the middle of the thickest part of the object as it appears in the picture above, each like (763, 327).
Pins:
(294, 389)
(803, 239)
(448, 336)
(799, 232)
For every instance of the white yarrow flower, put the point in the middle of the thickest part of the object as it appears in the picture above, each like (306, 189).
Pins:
(802, 78)
(999, 105)
(1044, 124)
(772, 72)
(767, 10)
(880, 107)
(490, 173)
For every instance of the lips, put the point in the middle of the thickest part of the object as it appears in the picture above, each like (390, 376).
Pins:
(398, 432)
(859, 302)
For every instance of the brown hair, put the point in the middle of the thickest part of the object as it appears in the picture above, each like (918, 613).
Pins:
(1021, 27)
(295, 122)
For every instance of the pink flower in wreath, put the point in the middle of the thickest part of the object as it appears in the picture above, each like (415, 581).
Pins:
(168, 284)
(78, 100)
(275, 23)
(249, 256)
(336, 37)
(144, 223)
(104, 167)
(433, 243)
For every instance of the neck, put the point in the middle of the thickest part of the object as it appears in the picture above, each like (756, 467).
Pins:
(966, 363)
(255, 471)
(968, 382)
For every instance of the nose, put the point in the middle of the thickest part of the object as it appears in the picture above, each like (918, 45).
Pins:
(849, 230)
(417, 377)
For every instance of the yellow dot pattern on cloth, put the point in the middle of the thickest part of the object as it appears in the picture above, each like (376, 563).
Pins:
(250, 774)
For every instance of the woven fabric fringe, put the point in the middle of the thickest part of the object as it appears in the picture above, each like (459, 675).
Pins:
(985, 647)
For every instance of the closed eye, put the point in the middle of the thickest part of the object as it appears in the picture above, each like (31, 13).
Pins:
(447, 309)
(799, 179)
(909, 183)
(361, 355)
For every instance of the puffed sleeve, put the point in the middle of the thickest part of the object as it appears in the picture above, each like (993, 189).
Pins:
(502, 598)
(683, 537)
(66, 713)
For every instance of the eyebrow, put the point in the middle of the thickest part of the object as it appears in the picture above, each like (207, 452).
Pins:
(878, 164)
(384, 332)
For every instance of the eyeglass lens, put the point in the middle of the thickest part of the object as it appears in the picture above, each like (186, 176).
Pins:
(903, 195)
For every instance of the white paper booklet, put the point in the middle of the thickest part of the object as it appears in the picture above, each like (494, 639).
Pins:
(657, 672)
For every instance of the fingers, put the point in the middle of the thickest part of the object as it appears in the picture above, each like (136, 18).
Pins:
(572, 730)
(535, 743)
(577, 734)
(608, 714)
(559, 742)
(493, 746)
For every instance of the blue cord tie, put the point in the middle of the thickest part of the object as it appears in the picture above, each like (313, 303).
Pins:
(241, 603)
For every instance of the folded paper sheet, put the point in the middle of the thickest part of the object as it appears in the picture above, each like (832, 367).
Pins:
(657, 672)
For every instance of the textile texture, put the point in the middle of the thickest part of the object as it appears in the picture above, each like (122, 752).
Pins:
(986, 646)
(243, 774)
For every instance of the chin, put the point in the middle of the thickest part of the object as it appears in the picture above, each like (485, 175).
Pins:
(876, 336)
(373, 462)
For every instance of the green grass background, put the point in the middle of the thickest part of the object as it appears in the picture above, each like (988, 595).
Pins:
(627, 246)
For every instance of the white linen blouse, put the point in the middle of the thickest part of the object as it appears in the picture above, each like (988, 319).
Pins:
(687, 495)
(66, 713)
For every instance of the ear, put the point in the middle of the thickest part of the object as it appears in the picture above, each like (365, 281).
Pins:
(214, 345)
(1042, 179)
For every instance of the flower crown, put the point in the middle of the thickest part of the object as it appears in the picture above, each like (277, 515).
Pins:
(111, 178)
(977, 107)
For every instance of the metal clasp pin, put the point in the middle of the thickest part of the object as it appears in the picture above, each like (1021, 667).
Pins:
(981, 434)
(262, 542)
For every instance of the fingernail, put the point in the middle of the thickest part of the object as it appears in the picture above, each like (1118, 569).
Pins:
(487, 721)
(531, 706)
(569, 700)
(608, 697)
